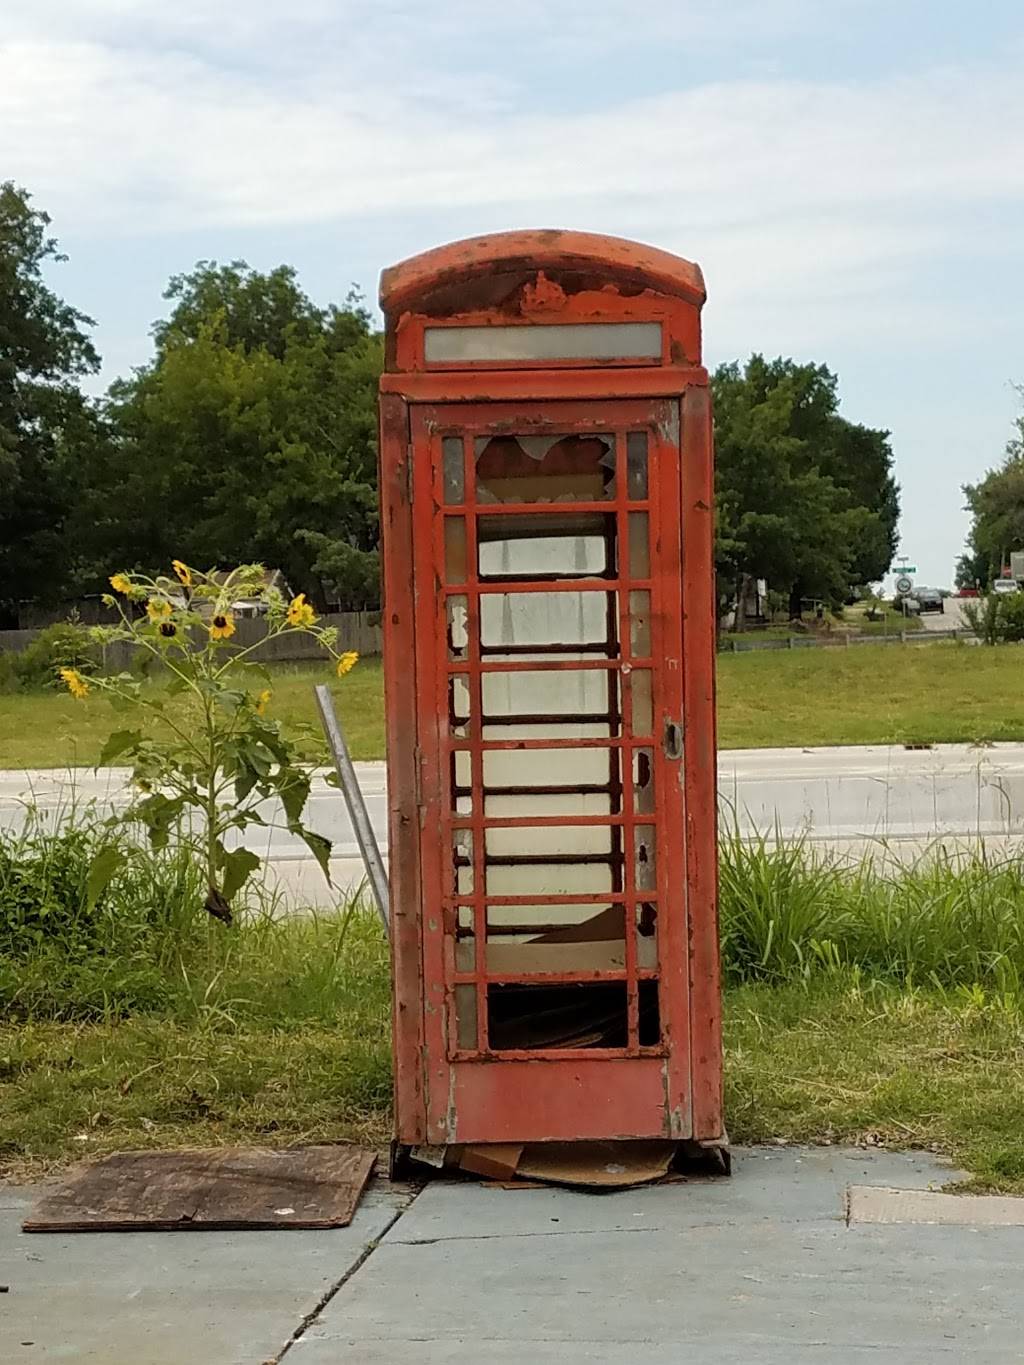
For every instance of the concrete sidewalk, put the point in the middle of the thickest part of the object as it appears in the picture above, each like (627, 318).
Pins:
(761, 1268)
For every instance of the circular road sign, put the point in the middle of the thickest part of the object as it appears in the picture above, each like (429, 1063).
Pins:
(903, 585)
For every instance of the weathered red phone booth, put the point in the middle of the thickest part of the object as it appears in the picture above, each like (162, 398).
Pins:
(547, 526)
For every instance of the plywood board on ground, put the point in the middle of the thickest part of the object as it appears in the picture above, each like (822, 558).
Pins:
(226, 1188)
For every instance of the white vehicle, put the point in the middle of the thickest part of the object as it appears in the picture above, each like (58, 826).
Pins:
(1005, 585)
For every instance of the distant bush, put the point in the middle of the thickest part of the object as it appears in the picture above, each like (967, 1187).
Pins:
(997, 619)
(64, 645)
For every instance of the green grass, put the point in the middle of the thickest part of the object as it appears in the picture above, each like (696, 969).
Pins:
(51, 730)
(817, 1062)
(828, 1062)
(861, 1005)
(892, 694)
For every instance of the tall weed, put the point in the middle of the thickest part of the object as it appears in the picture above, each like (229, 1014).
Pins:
(947, 918)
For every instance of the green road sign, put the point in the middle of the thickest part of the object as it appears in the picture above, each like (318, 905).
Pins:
(905, 568)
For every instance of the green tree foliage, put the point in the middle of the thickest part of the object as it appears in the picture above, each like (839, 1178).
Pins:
(250, 436)
(996, 505)
(806, 499)
(44, 418)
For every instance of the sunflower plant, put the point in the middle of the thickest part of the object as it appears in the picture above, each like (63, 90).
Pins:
(206, 752)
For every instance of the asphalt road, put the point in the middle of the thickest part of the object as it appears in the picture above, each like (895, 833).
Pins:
(841, 798)
(950, 618)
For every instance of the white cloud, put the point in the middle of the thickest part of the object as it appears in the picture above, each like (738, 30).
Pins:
(145, 117)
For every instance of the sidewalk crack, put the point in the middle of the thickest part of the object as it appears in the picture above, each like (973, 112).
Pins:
(338, 1284)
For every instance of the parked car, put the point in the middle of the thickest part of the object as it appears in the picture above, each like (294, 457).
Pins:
(1004, 586)
(929, 599)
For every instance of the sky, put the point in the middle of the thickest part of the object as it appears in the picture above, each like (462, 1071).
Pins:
(849, 174)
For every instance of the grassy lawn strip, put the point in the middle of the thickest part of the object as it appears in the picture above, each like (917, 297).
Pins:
(52, 730)
(823, 1063)
(887, 1067)
(864, 1004)
(893, 694)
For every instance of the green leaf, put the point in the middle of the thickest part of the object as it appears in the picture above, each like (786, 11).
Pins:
(229, 699)
(117, 744)
(157, 813)
(101, 870)
(237, 866)
(245, 779)
(320, 849)
(293, 790)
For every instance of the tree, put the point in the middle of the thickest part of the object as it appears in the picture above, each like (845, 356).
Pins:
(996, 505)
(806, 499)
(44, 417)
(250, 436)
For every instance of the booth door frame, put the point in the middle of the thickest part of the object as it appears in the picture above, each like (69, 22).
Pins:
(548, 1094)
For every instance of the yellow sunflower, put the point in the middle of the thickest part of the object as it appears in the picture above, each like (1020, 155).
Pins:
(121, 583)
(158, 609)
(263, 701)
(183, 571)
(222, 627)
(347, 662)
(75, 683)
(300, 613)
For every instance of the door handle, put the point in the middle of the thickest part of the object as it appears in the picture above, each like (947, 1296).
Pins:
(672, 740)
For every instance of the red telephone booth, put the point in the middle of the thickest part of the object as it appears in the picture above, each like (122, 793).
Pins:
(547, 526)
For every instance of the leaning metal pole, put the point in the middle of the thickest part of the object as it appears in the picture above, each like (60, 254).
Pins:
(365, 838)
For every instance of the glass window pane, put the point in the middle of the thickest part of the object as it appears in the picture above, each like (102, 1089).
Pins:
(547, 341)
(547, 618)
(465, 1017)
(569, 693)
(455, 549)
(640, 624)
(574, 545)
(639, 545)
(643, 706)
(636, 463)
(453, 469)
(465, 940)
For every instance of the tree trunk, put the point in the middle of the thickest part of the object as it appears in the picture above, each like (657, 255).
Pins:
(741, 602)
(795, 603)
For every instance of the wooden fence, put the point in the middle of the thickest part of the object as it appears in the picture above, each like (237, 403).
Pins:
(742, 644)
(358, 630)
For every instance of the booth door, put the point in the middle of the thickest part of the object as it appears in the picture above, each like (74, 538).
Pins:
(549, 639)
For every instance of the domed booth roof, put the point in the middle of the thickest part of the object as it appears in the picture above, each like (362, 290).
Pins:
(542, 276)
(432, 276)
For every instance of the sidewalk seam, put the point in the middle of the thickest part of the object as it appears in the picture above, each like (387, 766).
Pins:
(339, 1284)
